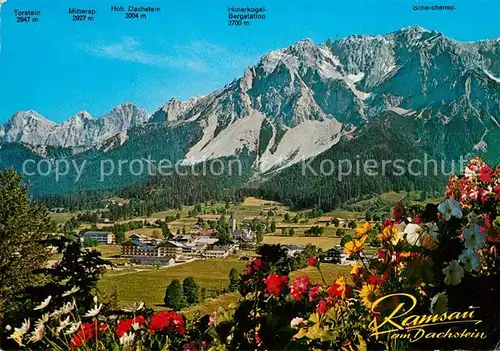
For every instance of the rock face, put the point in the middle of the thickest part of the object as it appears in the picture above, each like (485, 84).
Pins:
(299, 101)
(31, 128)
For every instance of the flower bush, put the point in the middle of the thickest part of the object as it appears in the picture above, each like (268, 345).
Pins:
(444, 255)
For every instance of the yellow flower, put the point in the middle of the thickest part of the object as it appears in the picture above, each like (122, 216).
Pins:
(355, 246)
(369, 294)
(17, 336)
(356, 268)
(389, 232)
(342, 285)
(404, 254)
(364, 229)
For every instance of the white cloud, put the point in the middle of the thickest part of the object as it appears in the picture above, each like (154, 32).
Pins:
(129, 49)
(199, 56)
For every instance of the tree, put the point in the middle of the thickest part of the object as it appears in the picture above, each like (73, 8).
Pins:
(368, 216)
(234, 279)
(88, 242)
(273, 226)
(291, 232)
(23, 225)
(352, 224)
(174, 295)
(167, 234)
(259, 237)
(191, 290)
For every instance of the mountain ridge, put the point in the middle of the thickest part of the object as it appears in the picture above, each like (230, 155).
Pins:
(300, 101)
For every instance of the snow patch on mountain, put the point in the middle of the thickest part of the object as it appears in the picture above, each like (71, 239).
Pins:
(241, 133)
(308, 139)
(496, 79)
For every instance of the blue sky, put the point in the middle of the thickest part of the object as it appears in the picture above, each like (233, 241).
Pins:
(59, 67)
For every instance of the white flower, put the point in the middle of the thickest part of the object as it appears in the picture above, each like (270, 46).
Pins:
(71, 291)
(471, 260)
(39, 333)
(18, 334)
(297, 322)
(8, 327)
(135, 307)
(73, 328)
(136, 326)
(439, 303)
(42, 320)
(65, 309)
(474, 237)
(413, 233)
(127, 339)
(449, 208)
(63, 324)
(24, 327)
(469, 173)
(44, 304)
(93, 311)
(453, 273)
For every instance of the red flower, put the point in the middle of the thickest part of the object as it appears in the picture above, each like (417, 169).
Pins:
(255, 266)
(496, 189)
(299, 287)
(257, 263)
(86, 333)
(386, 223)
(377, 280)
(382, 253)
(322, 306)
(257, 338)
(168, 320)
(337, 290)
(313, 292)
(398, 211)
(417, 220)
(125, 325)
(485, 173)
(275, 283)
(312, 261)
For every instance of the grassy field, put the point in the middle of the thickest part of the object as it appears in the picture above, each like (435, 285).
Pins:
(330, 273)
(108, 251)
(151, 232)
(321, 242)
(61, 218)
(149, 285)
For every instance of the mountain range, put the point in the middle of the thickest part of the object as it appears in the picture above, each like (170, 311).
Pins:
(418, 88)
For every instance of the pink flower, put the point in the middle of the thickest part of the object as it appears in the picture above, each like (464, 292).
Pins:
(322, 306)
(299, 287)
(297, 322)
(212, 319)
(485, 173)
(313, 292)
(487, 221)
(496, 189)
